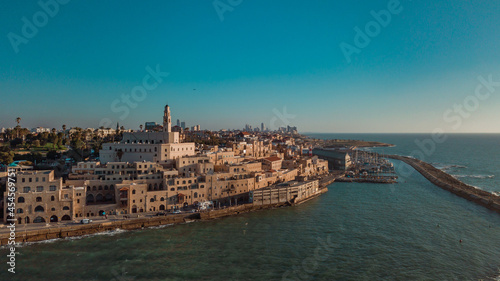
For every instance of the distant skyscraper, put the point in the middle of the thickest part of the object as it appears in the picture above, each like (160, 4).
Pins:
(262, 127)
(183, 125)
(178, 122)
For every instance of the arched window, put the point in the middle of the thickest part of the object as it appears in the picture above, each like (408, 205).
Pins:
(94, 188)
(39, 220)
(19, 211)
(99, 198)
(106, 187)
(111, 187)
(195, 195)
(65, 208)
(39, 209)
(88, 188)
(152, 200)
(100, 187)
(39, 199)
(53, 209)
(52, 198)
(162, 199)
(90, 198)
(20, 200)
(133, 191)
(66, 218)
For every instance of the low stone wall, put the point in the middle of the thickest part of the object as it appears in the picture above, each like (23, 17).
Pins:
(447, 182)
(136, 223)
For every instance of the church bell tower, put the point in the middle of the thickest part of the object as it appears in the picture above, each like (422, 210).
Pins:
(167, 120)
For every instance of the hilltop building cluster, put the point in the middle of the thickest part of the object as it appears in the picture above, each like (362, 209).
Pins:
(157, 170)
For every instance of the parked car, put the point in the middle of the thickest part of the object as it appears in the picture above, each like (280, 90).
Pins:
(161, 214)
(85, 221)
(177, 211)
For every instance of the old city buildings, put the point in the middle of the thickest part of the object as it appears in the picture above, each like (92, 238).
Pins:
(151, 171)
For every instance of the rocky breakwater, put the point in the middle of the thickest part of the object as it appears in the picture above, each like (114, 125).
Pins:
(447, 182)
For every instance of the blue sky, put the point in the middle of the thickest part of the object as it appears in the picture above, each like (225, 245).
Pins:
(263, 55)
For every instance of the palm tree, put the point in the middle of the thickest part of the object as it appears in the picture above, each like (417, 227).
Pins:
(64, 131)
(18, 120)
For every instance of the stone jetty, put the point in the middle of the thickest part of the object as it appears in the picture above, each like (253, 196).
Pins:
(453, 185)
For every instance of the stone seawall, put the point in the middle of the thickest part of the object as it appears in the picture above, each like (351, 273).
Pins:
(136, 223)
(447, 182)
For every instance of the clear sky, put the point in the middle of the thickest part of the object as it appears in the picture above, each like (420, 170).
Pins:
(242, 65)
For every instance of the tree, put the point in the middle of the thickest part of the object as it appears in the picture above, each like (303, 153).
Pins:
(6, 155)
(64, 131)
(18, 120)
(119, 153)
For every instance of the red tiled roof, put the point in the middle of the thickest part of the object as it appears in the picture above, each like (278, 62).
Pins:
(273, 158)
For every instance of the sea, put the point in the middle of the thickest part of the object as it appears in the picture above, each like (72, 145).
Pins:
(411, 230)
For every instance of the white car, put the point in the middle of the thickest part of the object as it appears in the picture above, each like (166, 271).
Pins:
(177, 211)
(85, 221)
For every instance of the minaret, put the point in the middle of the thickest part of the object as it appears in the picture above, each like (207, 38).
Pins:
(167, 120)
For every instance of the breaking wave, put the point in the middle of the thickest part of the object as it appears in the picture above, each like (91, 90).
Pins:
(475, 176)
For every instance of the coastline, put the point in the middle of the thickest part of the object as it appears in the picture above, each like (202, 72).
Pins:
(61, 232)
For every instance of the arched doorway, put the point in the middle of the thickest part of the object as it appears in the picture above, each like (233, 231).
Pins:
(99, 198)
(162, 207)
(101, 213)
(109, 197)
(66, 218)
(38, 220)
(53, 218)
(27, 220)
(134, 209)
(185, 204)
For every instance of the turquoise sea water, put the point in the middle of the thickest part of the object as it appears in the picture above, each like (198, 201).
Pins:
(356, 231)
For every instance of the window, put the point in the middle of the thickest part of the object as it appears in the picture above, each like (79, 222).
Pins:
(26, 189)
(39, 209)
(19, 211)
(39, 188)
(65, 208)
(20, 200)
(36, 179)
(52, 188)
(39, 199)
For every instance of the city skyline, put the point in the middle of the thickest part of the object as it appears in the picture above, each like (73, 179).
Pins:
(226, 66)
